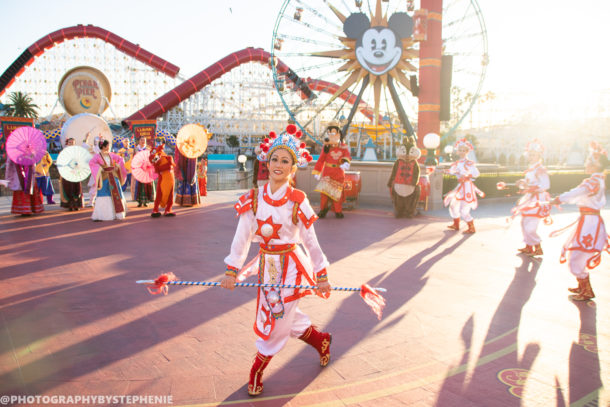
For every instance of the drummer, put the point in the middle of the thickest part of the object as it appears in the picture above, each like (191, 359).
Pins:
(70, 193)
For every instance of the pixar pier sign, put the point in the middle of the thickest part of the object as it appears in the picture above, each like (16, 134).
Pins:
(84, 90)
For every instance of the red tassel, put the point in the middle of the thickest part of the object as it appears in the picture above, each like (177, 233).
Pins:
(160, 284)
(372, 299)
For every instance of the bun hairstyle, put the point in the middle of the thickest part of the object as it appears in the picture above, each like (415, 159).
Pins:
(103, 143)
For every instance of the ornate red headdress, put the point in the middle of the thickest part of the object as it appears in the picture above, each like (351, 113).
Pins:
(534, 145)
(289, 140)
(463, 142)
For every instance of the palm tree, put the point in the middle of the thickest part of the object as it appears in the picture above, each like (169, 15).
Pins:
(20, 105)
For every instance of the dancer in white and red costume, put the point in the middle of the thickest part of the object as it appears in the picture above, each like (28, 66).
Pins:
(279, 218)
(589, 238)
(463, 198)
(534, 205)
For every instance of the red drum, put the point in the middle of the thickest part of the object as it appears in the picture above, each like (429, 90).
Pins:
(351, 188)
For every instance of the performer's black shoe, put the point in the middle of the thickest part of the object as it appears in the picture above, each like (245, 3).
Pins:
(140, 205)
(339, 215)
(322, 213)
(169, 214)
(155, 215)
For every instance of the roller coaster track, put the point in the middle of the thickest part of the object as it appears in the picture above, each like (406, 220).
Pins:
(183, 91)
(80, 31)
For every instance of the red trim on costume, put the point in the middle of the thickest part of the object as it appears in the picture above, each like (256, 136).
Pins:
(244, 203)
(298, 280)
(307, 222)
(274, 202)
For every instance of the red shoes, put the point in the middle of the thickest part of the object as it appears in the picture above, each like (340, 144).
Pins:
(319, 340)
(455, 225)
(255, 385)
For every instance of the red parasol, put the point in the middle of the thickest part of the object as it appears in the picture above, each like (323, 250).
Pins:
(26, 145)
(142, 169)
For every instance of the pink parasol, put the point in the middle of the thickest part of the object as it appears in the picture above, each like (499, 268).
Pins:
(26, 145)
(142, 169)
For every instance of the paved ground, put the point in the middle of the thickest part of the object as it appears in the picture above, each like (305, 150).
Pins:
(467, 322)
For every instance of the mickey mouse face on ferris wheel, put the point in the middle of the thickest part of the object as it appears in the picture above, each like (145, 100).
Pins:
(378, 49)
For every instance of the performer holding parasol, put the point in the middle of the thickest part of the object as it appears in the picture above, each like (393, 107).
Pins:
(43, 180)
(279, 218)
(144, 175)
(25, 146)
(108, 171)
(73, 166)
(191, 142)
(589, 238)
(126, 154)
(463, 198)
(534, 205)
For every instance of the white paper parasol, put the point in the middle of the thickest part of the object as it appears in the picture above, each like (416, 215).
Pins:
(73, 163)
(86, 127)
(142, 169)
(192, 140)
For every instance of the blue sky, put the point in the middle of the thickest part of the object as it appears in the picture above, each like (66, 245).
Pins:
(540, 47)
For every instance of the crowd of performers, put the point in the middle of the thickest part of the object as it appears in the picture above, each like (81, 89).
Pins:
(280, 219)
(181, 180)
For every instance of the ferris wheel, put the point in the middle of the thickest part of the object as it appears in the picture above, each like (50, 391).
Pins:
(356, 61)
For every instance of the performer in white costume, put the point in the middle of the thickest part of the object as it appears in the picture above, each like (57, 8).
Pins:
(534, 205)
(589, 238)
(463, 198)
(279, 218)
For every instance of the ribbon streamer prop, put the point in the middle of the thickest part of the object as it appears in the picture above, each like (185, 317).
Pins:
(369, 294)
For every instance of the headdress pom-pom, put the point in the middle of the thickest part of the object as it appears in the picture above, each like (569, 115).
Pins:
(291, 129)
(272, 134)
(298, 134)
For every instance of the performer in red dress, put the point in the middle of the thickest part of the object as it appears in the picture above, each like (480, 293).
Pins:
(589, 238)
(202, 176)
(260, 171)
(330, 172)
(280, 219)
(27, 198)
(164, 166)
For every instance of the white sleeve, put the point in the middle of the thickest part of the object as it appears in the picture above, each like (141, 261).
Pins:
(309, 238)
(573, 194)
(474, 171)
(241, 241)
(310, 241)
(544, 182)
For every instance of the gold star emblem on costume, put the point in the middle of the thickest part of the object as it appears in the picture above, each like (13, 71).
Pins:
(267, 229)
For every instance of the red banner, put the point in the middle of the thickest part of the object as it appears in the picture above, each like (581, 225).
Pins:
(11, 123)
(146, 129)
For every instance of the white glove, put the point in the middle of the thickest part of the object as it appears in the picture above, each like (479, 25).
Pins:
(4, 182)
(345, 166)
(317, 176)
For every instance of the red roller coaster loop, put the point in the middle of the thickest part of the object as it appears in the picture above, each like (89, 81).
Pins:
(79, 31)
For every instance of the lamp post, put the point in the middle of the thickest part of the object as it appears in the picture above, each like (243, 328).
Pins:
(241, 159)
(448, 150)
(431, 143)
